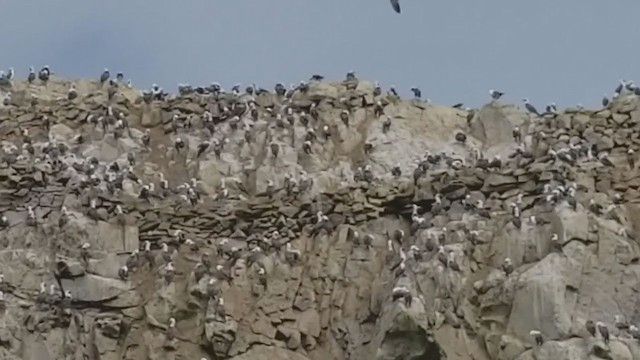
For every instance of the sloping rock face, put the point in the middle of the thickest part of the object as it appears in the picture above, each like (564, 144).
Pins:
(309, 230)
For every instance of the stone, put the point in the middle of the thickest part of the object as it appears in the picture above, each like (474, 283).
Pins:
(309, 323)
(151, 116)
(493, 123)
(93, 288)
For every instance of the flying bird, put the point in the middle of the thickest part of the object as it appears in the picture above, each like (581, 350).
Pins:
(395, 4)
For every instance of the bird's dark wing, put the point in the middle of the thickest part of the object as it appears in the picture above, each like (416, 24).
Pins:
(396, 5)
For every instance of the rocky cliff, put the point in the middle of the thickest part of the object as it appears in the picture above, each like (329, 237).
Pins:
(333, 221)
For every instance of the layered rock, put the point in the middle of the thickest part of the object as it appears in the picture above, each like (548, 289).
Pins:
(336, 301)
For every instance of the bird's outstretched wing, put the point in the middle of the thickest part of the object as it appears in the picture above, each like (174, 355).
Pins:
(396, 5)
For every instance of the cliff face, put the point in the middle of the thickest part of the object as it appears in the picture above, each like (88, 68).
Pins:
(337, 290)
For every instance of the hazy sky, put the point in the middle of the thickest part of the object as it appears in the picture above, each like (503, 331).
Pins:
(567, 51)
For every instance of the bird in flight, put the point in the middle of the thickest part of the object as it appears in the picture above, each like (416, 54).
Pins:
(396, 5)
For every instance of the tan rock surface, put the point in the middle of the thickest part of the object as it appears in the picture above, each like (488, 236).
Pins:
(312, 291)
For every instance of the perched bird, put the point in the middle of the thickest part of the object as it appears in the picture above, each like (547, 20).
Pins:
(461, 137)
(537, 337)
(530, 108)
(146, 138)
(604, 331)
(604, 159)
(386, 124)
(123, 273)
(631, 159)
(591, 327)
(517, 135)
(104, 76)
(202, 147)
(507, 266)
(495, 95)
(32, 75)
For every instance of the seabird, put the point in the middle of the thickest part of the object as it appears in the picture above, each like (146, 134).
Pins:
(344, 116)
(368, 240)
(262, 276)
(326, 132)
(368, 147)
(496, 163)
(32, 75)
(52, 297)
(148, 255)
(4, 221)
(395, 4)
(605, 101)
(481, 210)
(84, 253)
(507, 266)
(170, 333)
(123, 273)
(166, 255)
(179, 144)
(537, 336)
(604, 331)
(530, 107)
(398, 235)
(452, 264)
(72, 93)
(292, 255)
(631, 159)
(401, 292)
(44, 73)
(386, 124)
(604, 159)
(169, 271)
(517, 135)
(220, 312)
(416, 92)
(495, 95)
(212, 288)
(621, 85)
(595, 207)
(396, 172)
(442, 256)
(571, 199)
(555, 242)
(591, 327)
(104, 76)
(31, 217)
(273, 146)
(64, 217)
(270, 188)
(461, 137)
(378, 108)
(202, 147)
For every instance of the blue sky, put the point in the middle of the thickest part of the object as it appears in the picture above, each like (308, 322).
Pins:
(565, 51)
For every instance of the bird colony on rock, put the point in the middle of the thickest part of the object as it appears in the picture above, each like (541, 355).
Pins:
(218, 217)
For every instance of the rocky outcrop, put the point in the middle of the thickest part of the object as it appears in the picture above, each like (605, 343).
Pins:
(315, 290)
